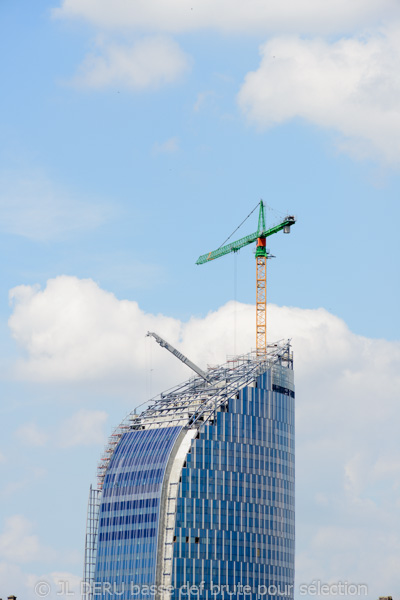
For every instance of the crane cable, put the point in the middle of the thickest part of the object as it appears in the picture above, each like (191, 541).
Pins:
(278, 214)
(249, 215)
(235, 278)
(235, 301)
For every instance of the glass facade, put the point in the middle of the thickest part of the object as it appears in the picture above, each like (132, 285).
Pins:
(129, 512)
(235, 523)
(227, 528)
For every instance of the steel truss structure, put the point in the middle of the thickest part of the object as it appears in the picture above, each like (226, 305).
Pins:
(188, 405)
(195, 401)
(261, 305)
(91, 539)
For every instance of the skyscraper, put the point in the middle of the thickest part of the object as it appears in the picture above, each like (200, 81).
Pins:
(195, 495)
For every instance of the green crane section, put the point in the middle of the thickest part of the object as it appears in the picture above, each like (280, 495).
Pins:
(244, 241)
(261, 259)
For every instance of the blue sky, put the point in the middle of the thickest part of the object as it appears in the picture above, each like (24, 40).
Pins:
(135, 137)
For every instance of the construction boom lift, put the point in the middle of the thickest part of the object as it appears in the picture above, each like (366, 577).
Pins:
(262, 254)
(179, 355)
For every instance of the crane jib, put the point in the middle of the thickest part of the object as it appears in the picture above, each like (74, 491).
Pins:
(242, 242)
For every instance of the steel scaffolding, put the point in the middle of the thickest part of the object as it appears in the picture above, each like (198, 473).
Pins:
(189, 405)
(91, 542)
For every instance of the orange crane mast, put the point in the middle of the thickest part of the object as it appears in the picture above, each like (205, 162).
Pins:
(262, 255)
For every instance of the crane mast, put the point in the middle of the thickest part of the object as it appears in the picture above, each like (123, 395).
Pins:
(262, 256)
(261, 286)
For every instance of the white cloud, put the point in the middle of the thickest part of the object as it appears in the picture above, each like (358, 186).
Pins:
(54, 585)
(58, 584)
(168, 147)
(31, 435)
(32, 206)
(74, 331)
(347, 461)
(306, 16)
(202, 99)
(66, 584)
(17, 543)
(19, 486)
(12, 578)
(84, 428)
(150, 63)
(349, 86)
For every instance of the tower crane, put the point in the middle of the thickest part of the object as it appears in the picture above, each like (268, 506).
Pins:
(262, 254)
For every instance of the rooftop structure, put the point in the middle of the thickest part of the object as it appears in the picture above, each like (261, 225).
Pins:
(198, 489)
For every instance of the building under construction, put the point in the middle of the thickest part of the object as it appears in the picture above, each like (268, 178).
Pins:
(195, 495)
(197, 492)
